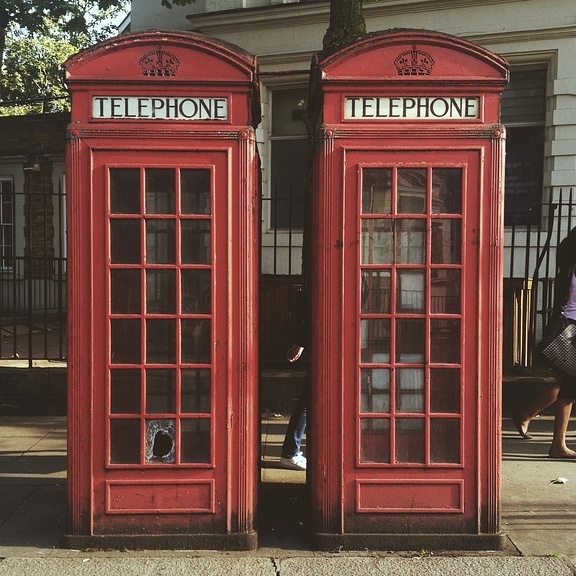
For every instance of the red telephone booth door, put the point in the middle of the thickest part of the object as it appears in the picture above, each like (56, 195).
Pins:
(161, 298)
(411, 389)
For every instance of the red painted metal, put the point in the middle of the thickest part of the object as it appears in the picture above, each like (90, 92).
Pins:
(163, 263)
(406, 237)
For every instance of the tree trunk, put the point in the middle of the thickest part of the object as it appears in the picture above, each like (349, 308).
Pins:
(346, 22)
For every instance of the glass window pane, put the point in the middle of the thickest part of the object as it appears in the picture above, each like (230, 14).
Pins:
(411, 288)
(445, 390)
(125, 294)
(160, 441)
(125, 341)
(375, 440)
(410, 440)
(125, 190)
(375, 340)
(125, 241)
(160, 291)
(195, 241)
(376, 191)
(160, 391)
(376, 240)
(410, 390)
(196, 391)
(196, 289)
(445, 440)
(410, 340)
(161, 341)
(195, 445)
(445, 291)
(411, 190)
(375, 291)
(195, 191)
(160, 242)
(410, 241)
(125, 392)
(375, 390)
(446, 191)
(445, 341)
(160, 190)
(288, 184)
(196, 341)
(289, 112)
(125, 441)
(446, 242)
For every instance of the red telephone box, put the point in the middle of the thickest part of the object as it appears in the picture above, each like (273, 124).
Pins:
(163, 262)
(405, 293)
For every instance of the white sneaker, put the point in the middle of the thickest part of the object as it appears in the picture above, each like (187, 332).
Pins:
(297, 462)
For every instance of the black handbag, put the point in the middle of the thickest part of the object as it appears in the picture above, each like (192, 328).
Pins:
(558, 347)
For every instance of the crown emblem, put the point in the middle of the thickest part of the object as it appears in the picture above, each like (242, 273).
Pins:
(414, 63)
(159, 62)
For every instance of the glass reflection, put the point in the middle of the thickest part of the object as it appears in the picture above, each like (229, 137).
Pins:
(161, 341)
(125, 295)
(411, 290)
(160, 242)
(125, 341)
(160, 190)
(196, 288)
(195, 241)
(446, 242)
(445, 291)
(375, 291)
(196, 391)
(410, 241)
(446, 191)
(196, 341)
(125, 241)
(445, 440)
(411, 190)
(375, 390)
(125, 392)
(410, 447)
(376, 242)
(161, 291)
(375, 340)
(160, 391)
(376, 190)
(410, 390)
(375, 440)
(410, 340)
(195, 191)
(125, 441)
(195, 444)
(125, 190)
(445, 341)
(445, 390)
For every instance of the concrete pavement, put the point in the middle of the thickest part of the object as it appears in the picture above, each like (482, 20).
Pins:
(538, 516)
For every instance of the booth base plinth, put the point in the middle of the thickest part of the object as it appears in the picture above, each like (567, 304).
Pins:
(406, 542)
(222, 542)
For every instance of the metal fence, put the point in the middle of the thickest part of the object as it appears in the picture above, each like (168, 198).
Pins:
(33, 287)
(33, 274)
(529, 272)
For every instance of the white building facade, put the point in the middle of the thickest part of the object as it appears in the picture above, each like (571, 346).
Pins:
(536, 37)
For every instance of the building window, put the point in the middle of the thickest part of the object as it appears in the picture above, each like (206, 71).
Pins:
(289, 159)
(524, 115)
(6, 224)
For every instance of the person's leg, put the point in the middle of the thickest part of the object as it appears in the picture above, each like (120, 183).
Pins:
(542, 401)
(296, 429)
(562, 412)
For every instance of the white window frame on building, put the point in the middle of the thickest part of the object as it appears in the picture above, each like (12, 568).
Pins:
(7, 205)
